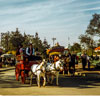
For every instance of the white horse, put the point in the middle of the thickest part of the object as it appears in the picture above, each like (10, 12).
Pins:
(39, 71)
(53, 70)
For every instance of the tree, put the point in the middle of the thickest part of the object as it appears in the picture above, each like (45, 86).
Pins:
(16, 39)
(93, 28)
(98, 44)
(37, 42)
(27, 39)
(76, 47)
(85, 40)
(39, 45)
(12, 40)
(5, 40)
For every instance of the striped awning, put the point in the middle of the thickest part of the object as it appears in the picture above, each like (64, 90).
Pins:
(97, 49)
(54, 53)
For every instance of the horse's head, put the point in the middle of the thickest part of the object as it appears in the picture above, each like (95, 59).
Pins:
(59, 65)
(43, 65)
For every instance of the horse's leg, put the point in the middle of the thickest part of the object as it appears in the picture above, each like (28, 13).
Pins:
(44, 80)
(57, 76)
(31, 77)
(48, 79)
(69, 69)
(38, 80)
(63, 72)
(52, 77)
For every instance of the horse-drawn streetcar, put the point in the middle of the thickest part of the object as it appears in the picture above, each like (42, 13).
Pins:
(23, 67)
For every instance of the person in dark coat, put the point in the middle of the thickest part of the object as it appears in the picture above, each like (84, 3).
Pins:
(70, 62)
(18, 50)
(30, 52)
(84, 60)
(73, 58)
(88, 60)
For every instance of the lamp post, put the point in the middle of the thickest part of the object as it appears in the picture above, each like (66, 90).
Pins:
(68, 43)
(53, 40)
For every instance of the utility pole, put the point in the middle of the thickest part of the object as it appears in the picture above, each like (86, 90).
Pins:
(53, 40)
(0, 38)
(68, 42)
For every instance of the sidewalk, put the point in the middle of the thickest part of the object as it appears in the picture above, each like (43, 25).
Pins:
(7, 68)
(89, 73)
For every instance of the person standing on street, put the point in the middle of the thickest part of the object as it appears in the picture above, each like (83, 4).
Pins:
(88, 60)
(70, 63)
(73, 58)
(84, 60)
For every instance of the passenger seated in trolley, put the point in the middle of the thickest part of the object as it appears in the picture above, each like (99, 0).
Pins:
(30, 52)
(56, 58)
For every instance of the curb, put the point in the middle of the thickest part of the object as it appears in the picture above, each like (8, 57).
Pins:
(6, 69)
(90, 75)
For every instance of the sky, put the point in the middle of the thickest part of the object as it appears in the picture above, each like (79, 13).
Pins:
(50, 18)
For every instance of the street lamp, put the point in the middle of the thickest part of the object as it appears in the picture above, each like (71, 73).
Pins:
(68, 42)
(53, 40)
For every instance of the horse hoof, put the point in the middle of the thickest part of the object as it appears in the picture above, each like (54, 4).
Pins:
(57, 84)
(43, 85)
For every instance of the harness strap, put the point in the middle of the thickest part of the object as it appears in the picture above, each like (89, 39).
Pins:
(38, 69)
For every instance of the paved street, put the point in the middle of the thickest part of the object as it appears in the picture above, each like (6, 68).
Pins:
(77, 85)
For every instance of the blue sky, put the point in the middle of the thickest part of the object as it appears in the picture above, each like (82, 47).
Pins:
(50, 18)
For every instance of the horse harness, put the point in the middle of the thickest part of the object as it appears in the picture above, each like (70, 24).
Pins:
(55, 69)
(38, 69)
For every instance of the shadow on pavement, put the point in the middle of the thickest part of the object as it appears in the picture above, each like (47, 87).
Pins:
(79, 82)
(10, 82)
(6, 69)
(64, 82)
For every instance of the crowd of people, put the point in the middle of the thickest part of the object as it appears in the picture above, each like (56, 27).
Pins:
(86, 60)
(71, 61)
